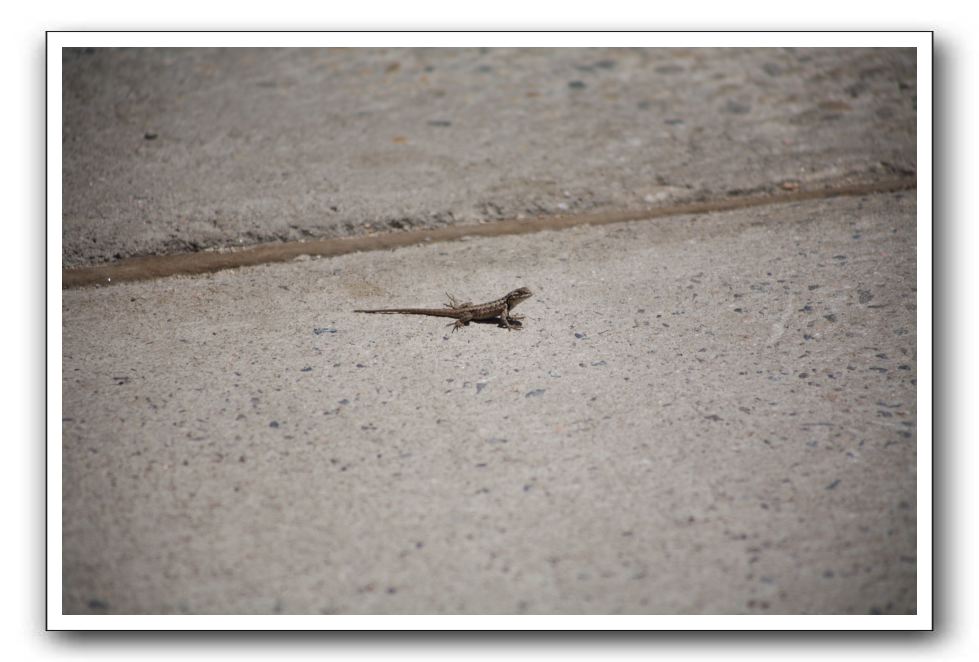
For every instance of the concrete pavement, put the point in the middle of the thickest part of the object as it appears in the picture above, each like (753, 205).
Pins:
(710, 414)
(190, 149)
(704, 413)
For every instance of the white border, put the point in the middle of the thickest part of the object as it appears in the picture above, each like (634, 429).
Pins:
(920, 40)
(925, 442)
(489, 39)
(54, 363)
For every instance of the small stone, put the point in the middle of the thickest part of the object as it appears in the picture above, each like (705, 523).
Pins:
(576, 85)
(736, 107)
(150, 135)
(274, 424)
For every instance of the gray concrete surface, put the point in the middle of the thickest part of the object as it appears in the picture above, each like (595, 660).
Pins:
(707, 414)
(179, 150)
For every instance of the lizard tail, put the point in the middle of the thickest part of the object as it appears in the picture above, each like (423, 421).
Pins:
(435, 312)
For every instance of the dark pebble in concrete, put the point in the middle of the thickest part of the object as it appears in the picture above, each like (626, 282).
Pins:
(736, 107)
(329, 329)
(576, 85)
(771, 69)
(535, 392)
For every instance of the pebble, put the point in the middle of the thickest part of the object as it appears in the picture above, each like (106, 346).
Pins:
(736, 107)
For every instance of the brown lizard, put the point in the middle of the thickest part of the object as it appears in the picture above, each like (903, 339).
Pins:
(467, 312)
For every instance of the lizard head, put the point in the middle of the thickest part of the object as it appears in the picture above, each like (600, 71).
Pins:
(516, 296)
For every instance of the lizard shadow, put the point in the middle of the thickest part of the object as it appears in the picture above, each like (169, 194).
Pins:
(496, 321)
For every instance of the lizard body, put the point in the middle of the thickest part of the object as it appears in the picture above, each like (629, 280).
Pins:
(467, 312)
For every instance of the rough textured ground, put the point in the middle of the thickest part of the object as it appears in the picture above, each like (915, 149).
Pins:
(702, 415)
(175, 150)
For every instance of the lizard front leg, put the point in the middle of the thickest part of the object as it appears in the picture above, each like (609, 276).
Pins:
(505, 318)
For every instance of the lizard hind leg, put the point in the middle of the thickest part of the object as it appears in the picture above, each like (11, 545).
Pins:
(454, 303)
(461, 322)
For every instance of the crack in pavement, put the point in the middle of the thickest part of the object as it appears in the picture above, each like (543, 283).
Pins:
(161, 266)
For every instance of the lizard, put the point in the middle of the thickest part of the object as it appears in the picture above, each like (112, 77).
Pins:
(468, 311)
